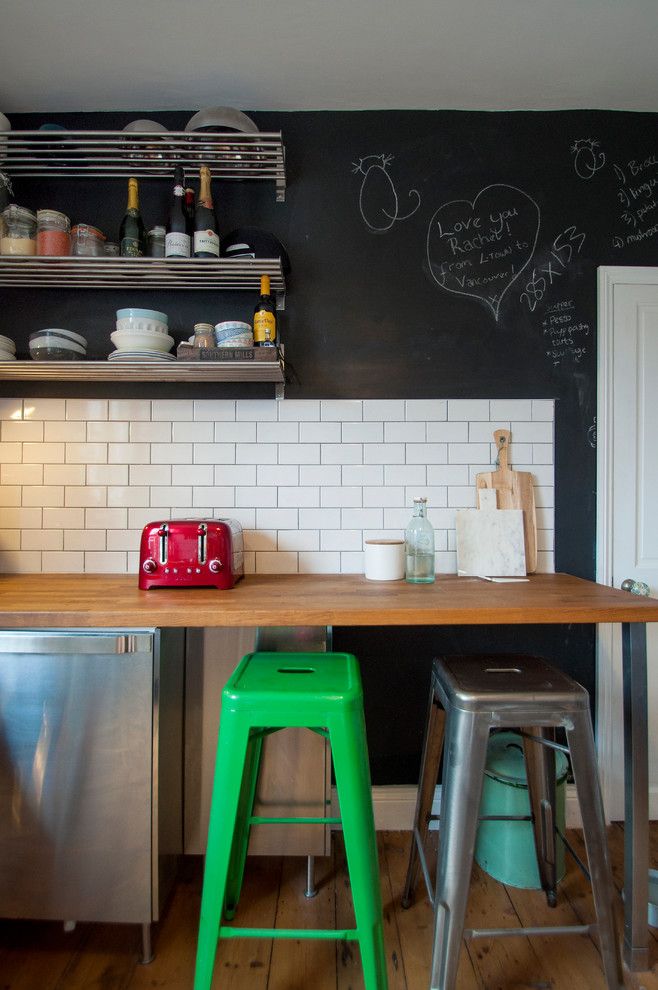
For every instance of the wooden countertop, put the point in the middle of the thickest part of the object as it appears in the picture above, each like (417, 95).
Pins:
(70, 600)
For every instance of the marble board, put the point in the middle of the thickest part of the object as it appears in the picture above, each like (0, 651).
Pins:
(490, 542)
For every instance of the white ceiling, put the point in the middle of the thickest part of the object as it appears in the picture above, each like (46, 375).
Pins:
(328, 54)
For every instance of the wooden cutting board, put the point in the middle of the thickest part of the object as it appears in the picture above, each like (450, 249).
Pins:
(515, 490)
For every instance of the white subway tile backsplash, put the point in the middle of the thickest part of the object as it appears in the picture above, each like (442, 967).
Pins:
(231, 433)
(21, 430)
(87, 539)
(362, 474)
(11, 495)
(349, 410)
(362, 433)
(339, 496)
(23, 474)
(320, 432)
(105, 432)
(130, 410)
(341, 453)
(308, 479)
(214, 410)
(468, 409)
(426, 409)
(87, 409)
(83, 496)
(74, 431)
(190, 432)
(403, 432)
(38, 453)
(174, 410)
(517, 409)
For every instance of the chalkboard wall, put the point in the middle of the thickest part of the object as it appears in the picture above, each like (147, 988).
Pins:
(434, 254)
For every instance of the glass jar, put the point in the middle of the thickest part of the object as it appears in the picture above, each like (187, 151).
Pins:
(5, 196)
(419, 546)
(20, 234)
(111, 249)
(204, 335)
(87, 241)
(53, 234)
(156, 242)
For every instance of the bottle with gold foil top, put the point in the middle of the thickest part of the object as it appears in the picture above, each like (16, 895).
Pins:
(132, 238)
(265, 316)
(206, 239)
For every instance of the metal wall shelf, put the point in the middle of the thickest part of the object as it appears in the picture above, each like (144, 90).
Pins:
(119, 154)
(142, 371)
(142, 273)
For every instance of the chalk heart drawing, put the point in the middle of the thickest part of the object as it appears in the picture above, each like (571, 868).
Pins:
(480, 248)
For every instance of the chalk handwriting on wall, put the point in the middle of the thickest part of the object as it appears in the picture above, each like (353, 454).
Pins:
(568, 243)
(637, 195)
(587, 160)
(480, 248)
(563, 333)
(378, 198)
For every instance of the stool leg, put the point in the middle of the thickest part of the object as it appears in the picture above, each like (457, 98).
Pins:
(347, 737)
(467, 734)
(231, 753)
(429, 772)
(540, 773)
(242, 826)
(585, 771)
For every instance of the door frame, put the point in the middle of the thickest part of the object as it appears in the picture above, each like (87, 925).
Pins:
(606, 696)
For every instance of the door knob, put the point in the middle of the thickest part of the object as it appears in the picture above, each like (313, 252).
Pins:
(635, 587)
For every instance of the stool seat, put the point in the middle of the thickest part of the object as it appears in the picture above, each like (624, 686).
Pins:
(267, 692)
(470, 696)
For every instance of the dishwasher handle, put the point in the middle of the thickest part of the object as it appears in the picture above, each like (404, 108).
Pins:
(35, 641)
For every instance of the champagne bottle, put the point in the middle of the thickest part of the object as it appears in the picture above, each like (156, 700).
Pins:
(189, 212)
(177, 239)
(206, 240)
(132, 239)
(265, 316)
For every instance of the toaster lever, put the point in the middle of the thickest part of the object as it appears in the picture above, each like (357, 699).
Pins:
(163, 533)
(201, 543)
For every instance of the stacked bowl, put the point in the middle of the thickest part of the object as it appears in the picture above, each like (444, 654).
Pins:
(141, 335)
(56, 344)
(7, 349)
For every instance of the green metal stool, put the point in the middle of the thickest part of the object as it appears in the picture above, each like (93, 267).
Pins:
(268, 692)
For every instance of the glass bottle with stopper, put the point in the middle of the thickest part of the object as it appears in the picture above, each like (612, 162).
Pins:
(419, 545)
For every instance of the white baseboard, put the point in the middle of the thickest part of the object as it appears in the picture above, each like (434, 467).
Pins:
(394, 806)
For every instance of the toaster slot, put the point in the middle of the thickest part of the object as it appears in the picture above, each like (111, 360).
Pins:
(163, 533)
(202, 543)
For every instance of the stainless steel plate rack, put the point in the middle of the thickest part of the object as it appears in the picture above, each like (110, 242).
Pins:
(119, 154)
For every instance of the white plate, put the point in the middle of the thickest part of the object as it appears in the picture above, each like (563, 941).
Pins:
(7, 344)
(7, 356)
(140, 356)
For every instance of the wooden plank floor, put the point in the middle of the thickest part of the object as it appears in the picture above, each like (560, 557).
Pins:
(40, 956)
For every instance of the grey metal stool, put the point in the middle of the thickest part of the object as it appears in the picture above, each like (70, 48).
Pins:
(469, 696)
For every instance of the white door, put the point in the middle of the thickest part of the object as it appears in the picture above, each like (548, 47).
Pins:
(627, 499)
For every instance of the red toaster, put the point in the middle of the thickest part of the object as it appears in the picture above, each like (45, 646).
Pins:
(188, 553)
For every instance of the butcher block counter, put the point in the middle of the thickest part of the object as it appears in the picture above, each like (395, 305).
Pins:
(96, 600)
(53, 601)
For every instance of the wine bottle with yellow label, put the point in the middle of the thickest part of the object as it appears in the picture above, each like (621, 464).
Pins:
(265, 316)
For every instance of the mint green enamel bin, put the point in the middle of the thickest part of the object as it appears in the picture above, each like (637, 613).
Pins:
(506, 849)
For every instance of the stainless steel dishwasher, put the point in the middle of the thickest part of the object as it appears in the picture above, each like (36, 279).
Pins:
(91, 744)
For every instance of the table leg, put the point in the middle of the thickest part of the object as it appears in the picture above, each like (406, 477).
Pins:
(636, 796)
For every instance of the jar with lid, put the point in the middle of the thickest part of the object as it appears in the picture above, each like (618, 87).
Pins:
(20, 234)
(204, 335)
(155, 240)
(87, 241)
(53, 234)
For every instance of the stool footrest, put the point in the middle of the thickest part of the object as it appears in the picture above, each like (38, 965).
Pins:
(265, 820)
(537, 930)
(229, 931)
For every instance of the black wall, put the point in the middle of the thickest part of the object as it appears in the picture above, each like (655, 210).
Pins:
(434, 254)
